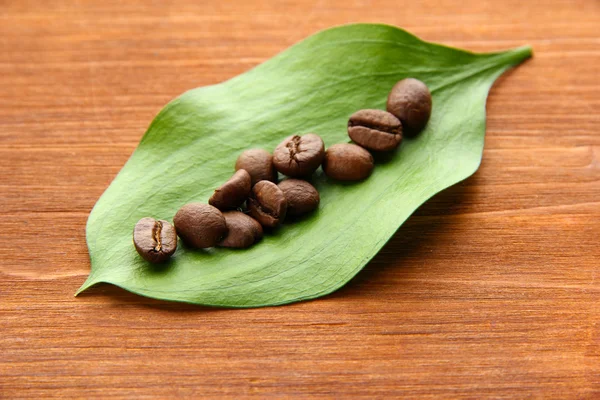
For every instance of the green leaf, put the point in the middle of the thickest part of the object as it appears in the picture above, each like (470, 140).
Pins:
(191, 146)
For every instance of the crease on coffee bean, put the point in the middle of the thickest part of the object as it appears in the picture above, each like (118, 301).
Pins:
(156, 231)
(294, 148)
(374, 126)
(264, 210)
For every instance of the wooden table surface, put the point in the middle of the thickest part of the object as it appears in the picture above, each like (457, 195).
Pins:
(491, 290)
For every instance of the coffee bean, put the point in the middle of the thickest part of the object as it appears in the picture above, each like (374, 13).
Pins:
(233, 192)
(200, 225)
(301, 196)
(267, 204)
(244, 231)
(347, 162)
(154, 240)
(258, 163)
(299, 156)
(410, 101)
(376, 130)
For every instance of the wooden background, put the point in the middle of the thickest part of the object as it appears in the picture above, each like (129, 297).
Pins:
(491, 290)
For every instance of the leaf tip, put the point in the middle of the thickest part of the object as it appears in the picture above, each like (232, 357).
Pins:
(86, 285)
(520, 54)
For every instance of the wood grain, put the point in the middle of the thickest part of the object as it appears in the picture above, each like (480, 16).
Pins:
(489, 291)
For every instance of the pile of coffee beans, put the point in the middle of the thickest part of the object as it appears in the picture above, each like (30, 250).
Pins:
(252, 200)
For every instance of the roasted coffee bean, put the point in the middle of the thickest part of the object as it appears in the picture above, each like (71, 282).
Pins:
(154, 240)
(244, 231)
(375, 130)
(301, 196)
(299, 156)
(258, 163)
(347, 162)
(410, 101)
(233, 192)
(267, 204)
(200, 225)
